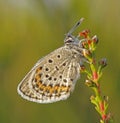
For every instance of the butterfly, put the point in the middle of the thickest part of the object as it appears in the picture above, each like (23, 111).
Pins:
(54, 76)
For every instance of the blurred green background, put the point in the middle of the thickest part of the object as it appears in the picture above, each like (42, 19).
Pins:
(30, 29)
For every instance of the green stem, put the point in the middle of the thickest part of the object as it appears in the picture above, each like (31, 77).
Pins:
(99, 101)
(94, 75)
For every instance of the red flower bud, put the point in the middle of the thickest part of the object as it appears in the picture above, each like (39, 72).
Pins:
(95, 39)
(95, 75)
(84, 33)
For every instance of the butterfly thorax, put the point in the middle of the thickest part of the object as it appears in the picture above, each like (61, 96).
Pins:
(73, 44)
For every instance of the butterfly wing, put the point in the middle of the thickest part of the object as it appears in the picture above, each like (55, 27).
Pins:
(52, 78)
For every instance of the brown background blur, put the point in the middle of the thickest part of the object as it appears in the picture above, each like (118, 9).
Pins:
(29, 30)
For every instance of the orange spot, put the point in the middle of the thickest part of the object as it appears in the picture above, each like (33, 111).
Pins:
(63, 88)
(39, 84)
(48, 87)
(37, 76)
(56, 87)
(52, 90)
(38, 70)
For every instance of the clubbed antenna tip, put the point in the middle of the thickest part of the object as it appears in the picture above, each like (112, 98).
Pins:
(75, 26)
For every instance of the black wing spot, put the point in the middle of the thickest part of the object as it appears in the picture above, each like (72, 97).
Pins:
(56, 68)
(58, 56)
(46, 69)
(50, 78)
(40, 75)
(64, 64)
(60, 76)
(46, 75)
(55, 79)
(65, 80)
(35, 79)
(40, 67)
(50, 60)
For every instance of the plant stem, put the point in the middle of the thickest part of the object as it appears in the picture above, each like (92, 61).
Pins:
(93, 77)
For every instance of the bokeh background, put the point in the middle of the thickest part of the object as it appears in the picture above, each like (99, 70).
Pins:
(30, 29)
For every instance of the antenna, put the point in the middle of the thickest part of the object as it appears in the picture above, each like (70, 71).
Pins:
(75, 26)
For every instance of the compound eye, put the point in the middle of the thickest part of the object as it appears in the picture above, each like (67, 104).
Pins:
(69, 39)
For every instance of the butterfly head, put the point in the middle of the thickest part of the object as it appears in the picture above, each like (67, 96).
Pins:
(70, 39)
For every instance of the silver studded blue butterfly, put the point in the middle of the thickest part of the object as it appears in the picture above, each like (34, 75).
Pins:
(54, 76)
